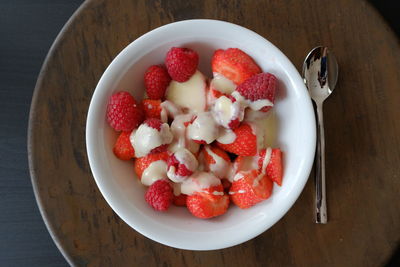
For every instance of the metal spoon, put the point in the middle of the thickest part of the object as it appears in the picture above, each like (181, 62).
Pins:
(320, 73)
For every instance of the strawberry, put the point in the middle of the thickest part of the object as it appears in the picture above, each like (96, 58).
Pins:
(123, 114)
(156, 124)
(180, 200)
(226, 185)
(206, 204)
(245, 143)
(258, 87)
(216, 161)
(234, 64)
(274, 167)
(181, 63)
(252, 188)
(123, 148)
(159, 195)
(156, 80)
(141, 164)
(151, 108)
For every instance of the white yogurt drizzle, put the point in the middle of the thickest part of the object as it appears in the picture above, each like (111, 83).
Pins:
(179, 130)
(203, 128)
(146, 138)
(254, 105)
(157, 170)
(169, 109)
(186, 158)
(226, 136)
(266, 161)
(221, 167)
(222, 84)
(198, 182)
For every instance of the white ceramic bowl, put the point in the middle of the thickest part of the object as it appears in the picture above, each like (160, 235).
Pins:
(177, 227)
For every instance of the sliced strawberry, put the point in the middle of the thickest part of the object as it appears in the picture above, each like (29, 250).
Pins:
(152, 108)
(208, 203)
(245, 143)
(234, 64)
(180, 200)
(216, 161)
(141, 164)
(123, 148)
(251, 189)
(209, 159)
(274, 167)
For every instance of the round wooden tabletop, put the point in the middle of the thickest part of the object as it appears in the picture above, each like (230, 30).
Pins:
(362, 131)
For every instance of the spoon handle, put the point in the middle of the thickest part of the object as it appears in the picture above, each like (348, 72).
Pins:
(321, 213)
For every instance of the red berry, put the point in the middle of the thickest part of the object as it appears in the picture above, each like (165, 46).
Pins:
(260, 86)
(180, 168)
(159, 195)
(245, 143)
(234, 64)
(152, 108)
(142, 163)
(251, 189)
(180, 200)
(154, 123)
(123, 114)
(156, 80)
(123, 148)
(159, 149)
(206, 205)
(181, 63)
(274, 167)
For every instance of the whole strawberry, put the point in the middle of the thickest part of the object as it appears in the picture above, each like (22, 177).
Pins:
(156, 80)
(159, 195)
(181, 63)
(123, 114)
(258, 87)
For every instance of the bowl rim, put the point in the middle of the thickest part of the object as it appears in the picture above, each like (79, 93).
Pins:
(308, 157)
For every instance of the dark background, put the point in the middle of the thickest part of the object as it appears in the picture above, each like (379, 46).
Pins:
(27, 30)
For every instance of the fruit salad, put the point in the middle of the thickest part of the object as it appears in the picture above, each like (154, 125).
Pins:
(200, 142)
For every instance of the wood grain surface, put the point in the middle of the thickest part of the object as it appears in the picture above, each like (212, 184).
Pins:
(362, 131)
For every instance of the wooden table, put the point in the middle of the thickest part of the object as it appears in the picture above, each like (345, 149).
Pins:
(362, 131)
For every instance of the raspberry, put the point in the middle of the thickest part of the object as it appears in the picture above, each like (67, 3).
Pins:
(123, 114)
(181, 63)
(154, 123)
(159, 149)
(159, 195)
(260, 86)
(180, 169)
(156, 80)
